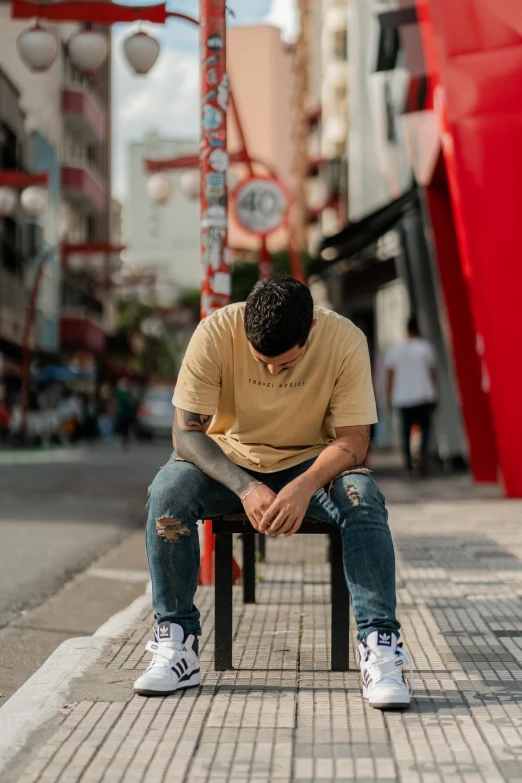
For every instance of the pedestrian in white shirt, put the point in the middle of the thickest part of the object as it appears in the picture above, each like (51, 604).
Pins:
(411, 388)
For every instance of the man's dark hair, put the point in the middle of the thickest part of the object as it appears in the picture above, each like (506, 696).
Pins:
(278, 315)
(413, 326)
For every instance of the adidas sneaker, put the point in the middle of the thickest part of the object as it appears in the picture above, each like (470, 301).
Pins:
(174, 662)
(382, 662)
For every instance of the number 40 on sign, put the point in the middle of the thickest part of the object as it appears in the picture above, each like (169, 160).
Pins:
(260, 205)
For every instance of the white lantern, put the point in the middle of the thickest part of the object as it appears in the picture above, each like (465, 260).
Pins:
(87, 49)
(232, 180)
(75, 262)
(7, 201)
(190, 184)
(34, 200)
(159, 188)
(37, 48)
(141, 51)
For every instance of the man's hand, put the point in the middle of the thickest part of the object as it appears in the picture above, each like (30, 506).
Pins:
(287, 511)
(256, 503)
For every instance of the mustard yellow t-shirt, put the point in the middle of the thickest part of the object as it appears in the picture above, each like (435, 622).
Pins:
(269, 422)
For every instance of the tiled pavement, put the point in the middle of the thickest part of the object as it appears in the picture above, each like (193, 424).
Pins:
(281, 715)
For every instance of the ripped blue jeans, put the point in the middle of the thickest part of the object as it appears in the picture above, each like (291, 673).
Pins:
(181, 494)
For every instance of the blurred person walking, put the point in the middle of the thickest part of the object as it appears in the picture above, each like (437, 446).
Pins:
(125, 410)
(412, 388)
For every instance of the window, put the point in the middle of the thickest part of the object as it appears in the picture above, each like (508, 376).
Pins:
(9, 148)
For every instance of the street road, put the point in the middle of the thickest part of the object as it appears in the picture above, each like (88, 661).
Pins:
(60, 511)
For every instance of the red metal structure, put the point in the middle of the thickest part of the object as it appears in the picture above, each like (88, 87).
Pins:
(20, 180)
(473, 50)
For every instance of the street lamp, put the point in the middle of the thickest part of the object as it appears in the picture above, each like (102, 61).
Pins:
(7, 201)
(32, 187)
(141, 51)
(159, 188)
(34, 200)
(87, 49)
(37, 48)
(190, 184)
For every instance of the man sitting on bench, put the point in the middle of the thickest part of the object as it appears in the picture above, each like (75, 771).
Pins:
(273, 408)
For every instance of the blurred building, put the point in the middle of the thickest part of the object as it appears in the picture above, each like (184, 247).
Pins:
(433, 200)
(368, 270)
(57, 121)
(161, 238)
(260, 72)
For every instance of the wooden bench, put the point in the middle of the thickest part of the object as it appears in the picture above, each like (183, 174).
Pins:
(224, 528)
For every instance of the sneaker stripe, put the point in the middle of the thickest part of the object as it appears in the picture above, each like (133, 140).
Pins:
(189, 675)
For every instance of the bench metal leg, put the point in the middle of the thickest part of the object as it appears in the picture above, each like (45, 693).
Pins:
(223, 603)
(261, 548)
(340, 608)
(249, 568)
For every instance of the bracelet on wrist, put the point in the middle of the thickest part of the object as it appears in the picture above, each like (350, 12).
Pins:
(247, 493)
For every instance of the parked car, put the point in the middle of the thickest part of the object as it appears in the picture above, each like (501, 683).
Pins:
(154, 416)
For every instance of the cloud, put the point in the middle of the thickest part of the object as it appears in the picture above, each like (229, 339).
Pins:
(284, 14)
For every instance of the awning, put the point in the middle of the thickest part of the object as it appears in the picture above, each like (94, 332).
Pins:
(358, 239)
(361, 233)
(61, 373)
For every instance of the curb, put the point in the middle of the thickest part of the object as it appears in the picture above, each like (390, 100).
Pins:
(43, 694)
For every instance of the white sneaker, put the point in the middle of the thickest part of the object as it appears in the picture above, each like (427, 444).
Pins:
(174, 662)
(381, 661)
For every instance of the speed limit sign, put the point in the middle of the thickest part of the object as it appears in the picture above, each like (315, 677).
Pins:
(260, 205)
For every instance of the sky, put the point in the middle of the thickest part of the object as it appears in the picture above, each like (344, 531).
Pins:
(167, 98)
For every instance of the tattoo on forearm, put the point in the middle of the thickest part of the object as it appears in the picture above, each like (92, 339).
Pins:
(195, 422)
(347, 451)
(193, 444)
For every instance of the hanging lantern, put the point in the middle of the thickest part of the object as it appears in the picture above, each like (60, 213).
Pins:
(34, 200)
(37, 48)
(75, 262)
(232, 180)
(159, 188)
(190, 184)
(141, 51)
(7, 201)
(87, 49)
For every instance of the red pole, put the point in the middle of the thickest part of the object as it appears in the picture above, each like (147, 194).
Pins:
(215, 284)
(265, 260)
(29, 320)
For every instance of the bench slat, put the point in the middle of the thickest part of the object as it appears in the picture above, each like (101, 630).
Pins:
(239, 523)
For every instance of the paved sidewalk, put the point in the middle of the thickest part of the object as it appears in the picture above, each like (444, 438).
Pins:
(281, 715)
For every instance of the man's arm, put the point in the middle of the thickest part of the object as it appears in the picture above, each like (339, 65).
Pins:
(289, 508)
(192, 444)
